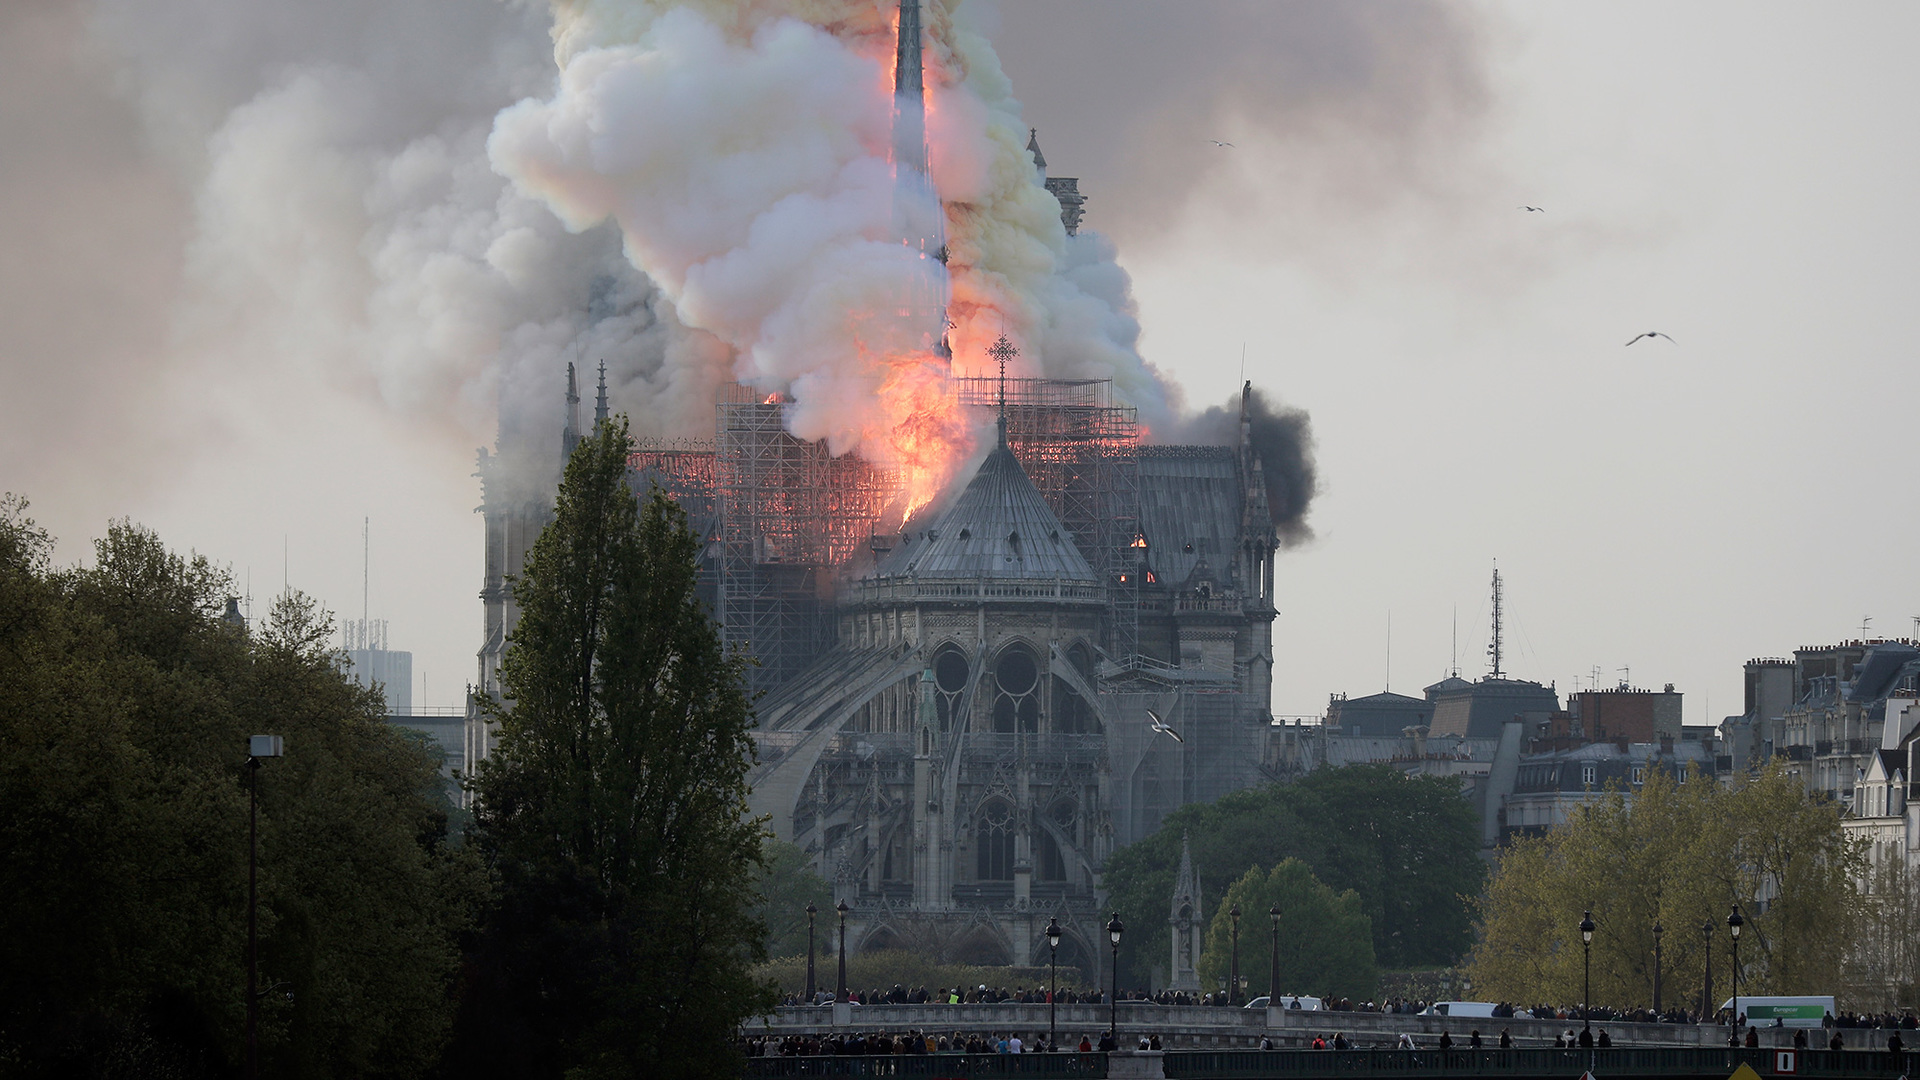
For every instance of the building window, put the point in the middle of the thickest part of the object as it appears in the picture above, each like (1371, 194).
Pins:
(1016, 677)
(993, 843)
(1586, 775)
(1639, 775)
(950, 674)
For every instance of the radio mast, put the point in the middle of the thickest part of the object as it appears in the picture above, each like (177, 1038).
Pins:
(1494, 649)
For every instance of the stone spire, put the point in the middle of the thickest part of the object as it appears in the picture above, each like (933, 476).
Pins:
(570, 435)
(1184, 923)
(600, 401)
(1033, 147)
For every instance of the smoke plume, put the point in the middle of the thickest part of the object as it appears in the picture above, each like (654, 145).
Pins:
(1282, 438)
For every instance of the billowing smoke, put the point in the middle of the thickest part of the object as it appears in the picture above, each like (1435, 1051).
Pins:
(1282, 438)
(744, 152)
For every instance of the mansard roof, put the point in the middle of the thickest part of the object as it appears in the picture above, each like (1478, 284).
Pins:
(999, 527)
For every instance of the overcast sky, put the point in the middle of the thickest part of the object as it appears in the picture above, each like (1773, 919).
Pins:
(1739, 176)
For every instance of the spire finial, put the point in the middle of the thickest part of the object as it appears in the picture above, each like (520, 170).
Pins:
(1003, 351)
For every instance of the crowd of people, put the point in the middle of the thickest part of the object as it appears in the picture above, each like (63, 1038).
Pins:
(918, 1042)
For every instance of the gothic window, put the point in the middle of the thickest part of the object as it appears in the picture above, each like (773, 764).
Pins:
(950, 674)
(1016, 677)
(1081, 658)
(993, 842)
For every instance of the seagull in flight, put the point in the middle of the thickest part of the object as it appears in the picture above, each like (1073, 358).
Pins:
(1652, 333)
(1217, 142)
(1534, 209)
(1160, 726)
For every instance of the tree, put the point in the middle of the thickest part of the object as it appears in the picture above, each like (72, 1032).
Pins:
(125, 702)
(1326, 939)
(613, 812)
(1408, 846)
(1680, 854)
(787, 884)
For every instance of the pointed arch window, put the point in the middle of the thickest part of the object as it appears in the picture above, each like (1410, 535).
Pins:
(993, 842)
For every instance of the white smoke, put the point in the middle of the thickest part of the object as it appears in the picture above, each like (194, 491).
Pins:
(743, 152)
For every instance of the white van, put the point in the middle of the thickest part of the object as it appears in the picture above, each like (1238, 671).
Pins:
(1286, 1001)
(1793, 1012)
(1460, 1008)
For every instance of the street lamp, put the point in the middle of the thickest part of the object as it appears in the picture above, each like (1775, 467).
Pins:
(1113, 1002)
(258, 746)
(1706, 992)
(1734, 923)
(840, 994)
(1273, 969)
(1233, 964)
(1586, 976)
(1053, 993)
(1657, 931)
(812, 992)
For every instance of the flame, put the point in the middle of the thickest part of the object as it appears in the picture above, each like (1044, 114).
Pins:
(929, 437)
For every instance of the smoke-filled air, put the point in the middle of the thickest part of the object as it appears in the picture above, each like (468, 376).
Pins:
(767, 169)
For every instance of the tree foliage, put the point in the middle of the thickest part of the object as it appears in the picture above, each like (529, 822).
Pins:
(125, 703)
(1325, 938)
(614, 811)
(1407, 846)
(787, 884)
(1680, 854)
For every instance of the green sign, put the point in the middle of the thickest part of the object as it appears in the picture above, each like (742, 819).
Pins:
(1757, 1013)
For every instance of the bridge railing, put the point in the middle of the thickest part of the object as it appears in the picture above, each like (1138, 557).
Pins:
(1613, 1061)
(966, 1066)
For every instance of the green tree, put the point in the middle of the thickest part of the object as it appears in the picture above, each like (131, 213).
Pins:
(787, 884)
(1679, 854)
(1326, 938)
(125, 702)
(614, 810)
(1408, 846)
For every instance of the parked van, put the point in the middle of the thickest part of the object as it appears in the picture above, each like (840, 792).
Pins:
(1461, 1008)
(1793, 1012)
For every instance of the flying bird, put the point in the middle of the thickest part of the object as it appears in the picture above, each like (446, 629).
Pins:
(1217, 142)
(1535, 209)
(1160, 726)
(1652, 333)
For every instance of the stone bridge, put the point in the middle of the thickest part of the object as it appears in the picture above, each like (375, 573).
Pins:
(1225, 1027)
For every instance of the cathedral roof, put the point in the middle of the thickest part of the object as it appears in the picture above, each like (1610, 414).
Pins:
(999, 527)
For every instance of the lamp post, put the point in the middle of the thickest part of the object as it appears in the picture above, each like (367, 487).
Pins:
(812, 992)
(840, 993)
(1657, 931)
(1273, 968)
(1734, 923)
(1706, 991)
(1053, 991)
(258, 746)
(1233, 964)
(1113, 1001)
(1586, 977)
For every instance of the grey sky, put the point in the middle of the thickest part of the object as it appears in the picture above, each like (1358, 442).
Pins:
(1739, 176)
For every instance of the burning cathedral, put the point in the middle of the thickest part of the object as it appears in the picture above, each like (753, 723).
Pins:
(965, 709)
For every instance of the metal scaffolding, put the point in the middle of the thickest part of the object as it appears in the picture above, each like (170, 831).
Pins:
(1080, 449)
(782, 517)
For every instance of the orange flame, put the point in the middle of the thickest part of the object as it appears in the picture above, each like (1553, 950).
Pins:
(929, 437)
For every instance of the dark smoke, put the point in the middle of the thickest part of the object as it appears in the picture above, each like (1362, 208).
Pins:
(1282, 438)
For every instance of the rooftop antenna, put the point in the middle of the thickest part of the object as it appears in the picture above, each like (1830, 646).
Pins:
(1626, 677)
(1865, 621)
(1495, 649)
(1389, 650)
(1595, 680)
(1456, 642)
(366, 569)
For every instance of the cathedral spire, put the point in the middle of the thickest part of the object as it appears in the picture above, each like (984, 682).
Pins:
(600, 402)
(909, 93)
(570, 435)
(1039, 159)
(1003, 351)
